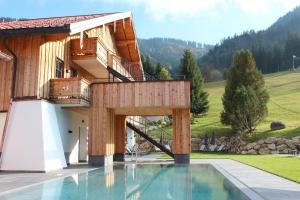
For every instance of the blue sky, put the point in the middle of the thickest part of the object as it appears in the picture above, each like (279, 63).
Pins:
(206, 21)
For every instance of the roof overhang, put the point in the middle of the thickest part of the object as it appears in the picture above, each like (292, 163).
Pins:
(35, 31)
(78, 27)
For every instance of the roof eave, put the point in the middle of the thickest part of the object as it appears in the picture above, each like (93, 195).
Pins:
(78, 27)
(35, 31)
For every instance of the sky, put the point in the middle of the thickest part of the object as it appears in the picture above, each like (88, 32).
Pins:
(205, 21)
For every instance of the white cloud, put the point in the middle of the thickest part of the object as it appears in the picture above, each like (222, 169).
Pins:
(161, 9)
(265, 6)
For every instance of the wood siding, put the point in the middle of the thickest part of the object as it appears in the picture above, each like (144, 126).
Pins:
(135, 98)
(26, 49)
(36, 55)
(181, 131)
(166, 94)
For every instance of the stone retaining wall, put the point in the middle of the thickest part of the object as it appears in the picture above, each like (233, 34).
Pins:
(266, 146)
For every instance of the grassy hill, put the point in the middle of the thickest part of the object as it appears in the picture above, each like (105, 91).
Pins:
(284, 105)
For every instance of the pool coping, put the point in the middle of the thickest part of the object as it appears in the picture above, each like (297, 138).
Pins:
(250, 193)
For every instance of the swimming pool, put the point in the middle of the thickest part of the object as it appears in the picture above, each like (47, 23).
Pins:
(142, 181)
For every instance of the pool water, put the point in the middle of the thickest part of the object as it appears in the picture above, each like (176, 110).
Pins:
(130, 181)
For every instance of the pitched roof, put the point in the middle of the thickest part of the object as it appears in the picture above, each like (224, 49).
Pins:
(47, 22)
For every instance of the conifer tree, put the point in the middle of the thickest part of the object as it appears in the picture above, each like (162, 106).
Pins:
(245, 98)
(189, 68)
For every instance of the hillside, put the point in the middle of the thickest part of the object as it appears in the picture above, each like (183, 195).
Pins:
(272, 48)
(284, 88)
(168, 51)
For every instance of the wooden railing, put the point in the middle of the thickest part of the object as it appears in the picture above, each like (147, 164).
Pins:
(116, 64)
(69, 90)
(90, 47)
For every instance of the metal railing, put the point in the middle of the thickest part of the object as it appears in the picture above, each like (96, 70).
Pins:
(162, 132)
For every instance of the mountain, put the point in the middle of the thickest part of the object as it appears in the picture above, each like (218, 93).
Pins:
(272, 48)
(168, 51)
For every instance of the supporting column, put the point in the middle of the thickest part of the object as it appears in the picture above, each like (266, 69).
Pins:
(181, 136)
(120, 130)
(101, 130)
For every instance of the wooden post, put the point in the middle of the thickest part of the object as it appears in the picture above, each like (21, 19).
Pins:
(181, 135)
(101, 132)
(120, 132)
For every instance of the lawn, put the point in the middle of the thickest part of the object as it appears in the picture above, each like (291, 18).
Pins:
(284, 105)
(284, 166)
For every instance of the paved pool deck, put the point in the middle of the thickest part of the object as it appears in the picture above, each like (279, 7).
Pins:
(266, 185)
(259, 184)
(10, 181)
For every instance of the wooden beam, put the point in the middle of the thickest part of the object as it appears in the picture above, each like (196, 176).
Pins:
(123, 21)
(115, 26)
(135, 63)
(125, 42)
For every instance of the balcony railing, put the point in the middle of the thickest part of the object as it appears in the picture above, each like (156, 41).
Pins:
(69, 91)
(116, 63)
(91, 47)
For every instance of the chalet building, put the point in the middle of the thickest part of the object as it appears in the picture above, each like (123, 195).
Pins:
(67, 87)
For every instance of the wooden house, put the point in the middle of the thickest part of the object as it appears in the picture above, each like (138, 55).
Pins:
(67, 85)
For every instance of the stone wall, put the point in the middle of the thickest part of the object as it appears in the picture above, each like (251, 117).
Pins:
(266, 146)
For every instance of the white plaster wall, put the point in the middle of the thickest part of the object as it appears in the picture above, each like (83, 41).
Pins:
(53, 151)
(70, 121)
(32, 141)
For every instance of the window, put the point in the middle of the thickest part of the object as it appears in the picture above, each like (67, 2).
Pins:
(59, 68)
(73, 72)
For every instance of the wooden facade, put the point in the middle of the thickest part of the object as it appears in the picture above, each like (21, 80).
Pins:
(37, 54)
(109, 100)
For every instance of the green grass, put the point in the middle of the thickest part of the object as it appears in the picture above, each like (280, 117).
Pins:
(284, 166)
(284, 105)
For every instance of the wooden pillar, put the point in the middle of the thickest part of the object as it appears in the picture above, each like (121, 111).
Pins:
(101, 130)
(181, 146)
(120, 132)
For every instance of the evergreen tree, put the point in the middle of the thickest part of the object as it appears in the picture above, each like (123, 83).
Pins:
(148, 66)
(292, 48)
(245, 98)
(189, 68)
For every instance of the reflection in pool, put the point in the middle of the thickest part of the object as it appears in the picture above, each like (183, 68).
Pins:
(130, 181)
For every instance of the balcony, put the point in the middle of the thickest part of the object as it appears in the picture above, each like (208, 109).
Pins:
(70, 91)
(91, 55)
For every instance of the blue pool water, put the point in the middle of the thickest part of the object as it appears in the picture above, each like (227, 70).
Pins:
(147, 181)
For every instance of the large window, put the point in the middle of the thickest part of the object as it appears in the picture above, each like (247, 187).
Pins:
(59, 68)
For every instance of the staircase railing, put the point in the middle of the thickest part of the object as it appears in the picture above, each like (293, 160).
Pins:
(161, 146)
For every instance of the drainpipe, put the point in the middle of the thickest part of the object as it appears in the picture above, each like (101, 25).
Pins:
(5, 45)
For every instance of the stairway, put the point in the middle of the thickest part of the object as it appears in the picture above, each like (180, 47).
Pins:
(148, 138)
